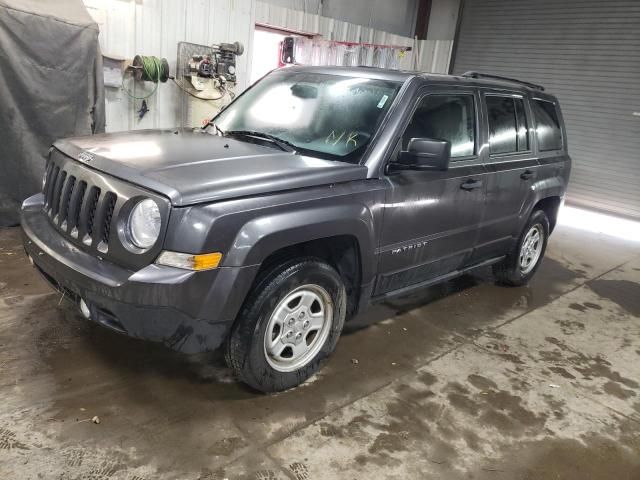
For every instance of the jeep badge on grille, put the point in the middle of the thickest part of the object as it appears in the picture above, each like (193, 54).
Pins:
(86, 157)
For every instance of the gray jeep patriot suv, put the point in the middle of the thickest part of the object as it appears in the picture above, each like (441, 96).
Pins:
(316, 192)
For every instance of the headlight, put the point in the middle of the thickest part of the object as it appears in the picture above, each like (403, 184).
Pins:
(143, 227)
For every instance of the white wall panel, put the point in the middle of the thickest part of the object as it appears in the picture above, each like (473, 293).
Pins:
(434, 55)
(154, 27)
(329, 28)
(431, 55)
(397, 16)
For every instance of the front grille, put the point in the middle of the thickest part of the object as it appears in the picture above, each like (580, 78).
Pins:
(74, 208)
(85, 204)
(66, 200)
(106, 223)
(55, 205)
(78, 208)
(90, 213)
(49, 187)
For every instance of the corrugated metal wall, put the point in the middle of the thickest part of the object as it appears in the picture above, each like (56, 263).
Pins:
(398, 16)
(433, 56)
(329, 28)
(587, 52)
(428, 55)
(154, 27)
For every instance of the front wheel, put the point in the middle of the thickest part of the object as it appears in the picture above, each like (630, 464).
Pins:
(290, 322)
(521, 264)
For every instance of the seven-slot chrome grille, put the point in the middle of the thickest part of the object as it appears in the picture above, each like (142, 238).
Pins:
(78, 208)
(85, 206)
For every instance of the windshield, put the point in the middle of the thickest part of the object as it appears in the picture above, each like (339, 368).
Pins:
(328, 116)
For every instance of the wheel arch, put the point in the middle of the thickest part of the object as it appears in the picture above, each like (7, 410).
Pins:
(261, 236)
(550, 206)
(342, 235)
(342, 252)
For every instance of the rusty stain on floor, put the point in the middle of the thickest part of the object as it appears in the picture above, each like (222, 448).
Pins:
(467, 379)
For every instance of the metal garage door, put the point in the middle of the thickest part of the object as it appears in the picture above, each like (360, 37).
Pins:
(587, 52)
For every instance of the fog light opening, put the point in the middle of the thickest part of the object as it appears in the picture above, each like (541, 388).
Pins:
(84, 309)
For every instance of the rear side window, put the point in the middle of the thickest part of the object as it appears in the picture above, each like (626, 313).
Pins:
(445, 117)
(508, 127)
(523, 126)
(547, 125)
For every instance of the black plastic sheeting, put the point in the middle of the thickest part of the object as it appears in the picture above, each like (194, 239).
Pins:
(51, 86)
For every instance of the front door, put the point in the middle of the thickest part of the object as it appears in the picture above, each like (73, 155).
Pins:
(431, 217)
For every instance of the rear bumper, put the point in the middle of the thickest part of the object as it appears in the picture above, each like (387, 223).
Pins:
(187, 311)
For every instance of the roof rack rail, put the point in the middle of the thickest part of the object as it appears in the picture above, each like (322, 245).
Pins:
(472, 74)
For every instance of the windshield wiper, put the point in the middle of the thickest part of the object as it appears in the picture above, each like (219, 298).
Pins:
(283, 144)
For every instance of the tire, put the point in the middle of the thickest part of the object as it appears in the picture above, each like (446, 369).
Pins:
(302, 290)
(511, 270)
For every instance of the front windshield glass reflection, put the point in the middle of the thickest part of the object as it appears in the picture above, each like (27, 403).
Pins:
(329, 116)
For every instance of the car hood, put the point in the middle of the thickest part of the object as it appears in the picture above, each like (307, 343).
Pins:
(192, 167)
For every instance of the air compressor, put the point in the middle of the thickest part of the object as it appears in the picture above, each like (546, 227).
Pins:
(207, 73)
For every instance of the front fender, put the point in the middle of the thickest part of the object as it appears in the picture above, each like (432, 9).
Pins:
(263, 235)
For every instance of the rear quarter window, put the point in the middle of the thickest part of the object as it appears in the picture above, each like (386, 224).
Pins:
(548, 129)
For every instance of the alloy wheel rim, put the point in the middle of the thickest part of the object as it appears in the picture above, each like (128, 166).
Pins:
(531, 248)
(298, 328)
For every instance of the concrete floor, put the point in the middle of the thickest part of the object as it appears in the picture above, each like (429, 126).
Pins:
(465, 380)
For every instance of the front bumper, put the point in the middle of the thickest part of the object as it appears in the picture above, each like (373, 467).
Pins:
(187, 311)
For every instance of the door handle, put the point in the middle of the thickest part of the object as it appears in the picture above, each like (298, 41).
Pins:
(526, 175)
(471, 184)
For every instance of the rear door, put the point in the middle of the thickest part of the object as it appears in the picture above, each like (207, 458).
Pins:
(550, 145)
(431, 217)
(512, 168)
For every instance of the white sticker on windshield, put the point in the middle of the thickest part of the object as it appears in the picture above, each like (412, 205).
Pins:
(383, 100)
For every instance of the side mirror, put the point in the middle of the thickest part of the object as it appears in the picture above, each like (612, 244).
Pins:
(424, 154)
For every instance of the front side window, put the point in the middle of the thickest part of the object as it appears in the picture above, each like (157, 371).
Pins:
(547, 125)
(445, 117)
(508, 128)
(328, 116)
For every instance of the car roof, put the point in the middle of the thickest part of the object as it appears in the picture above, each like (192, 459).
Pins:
(435, 78)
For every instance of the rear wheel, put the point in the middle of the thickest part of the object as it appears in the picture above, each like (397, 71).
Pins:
(291, 321)
(522, 262)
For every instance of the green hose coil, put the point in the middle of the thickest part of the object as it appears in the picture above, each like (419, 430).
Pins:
(148, 69)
